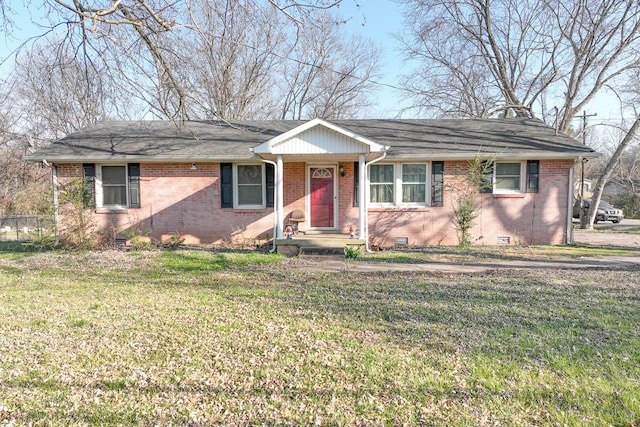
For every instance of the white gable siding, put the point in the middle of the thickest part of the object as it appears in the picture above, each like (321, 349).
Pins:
(319, 140)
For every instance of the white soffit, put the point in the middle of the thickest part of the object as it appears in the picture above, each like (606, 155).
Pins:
(318, 137)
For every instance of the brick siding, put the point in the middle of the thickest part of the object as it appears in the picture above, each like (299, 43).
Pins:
(176, 200)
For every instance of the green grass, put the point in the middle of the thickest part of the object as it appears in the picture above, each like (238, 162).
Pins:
(202, 338)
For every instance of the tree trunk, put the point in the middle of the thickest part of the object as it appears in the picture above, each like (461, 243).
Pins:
(597, 191)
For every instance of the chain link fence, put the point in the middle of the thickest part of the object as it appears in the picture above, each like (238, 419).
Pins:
(25, 228)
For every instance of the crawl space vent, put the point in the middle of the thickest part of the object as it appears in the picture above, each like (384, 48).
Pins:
(504, 240)
(402, 241)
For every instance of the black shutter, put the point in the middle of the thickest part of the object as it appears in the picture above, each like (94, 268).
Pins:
(134, 185)
(356, 183)
(226, 185)
(533, 176)
(437, 183)
(486, 181)
(270, 175)
(89, 185)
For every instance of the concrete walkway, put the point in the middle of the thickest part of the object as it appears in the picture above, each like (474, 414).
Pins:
(337, 263)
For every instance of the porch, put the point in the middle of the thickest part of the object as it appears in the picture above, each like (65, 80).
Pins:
(318, 242)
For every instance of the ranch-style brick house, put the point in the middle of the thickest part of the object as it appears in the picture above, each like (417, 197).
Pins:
(387, 182)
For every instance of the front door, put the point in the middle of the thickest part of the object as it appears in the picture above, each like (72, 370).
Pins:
(322, 192)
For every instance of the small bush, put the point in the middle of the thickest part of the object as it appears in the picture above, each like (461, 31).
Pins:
(351, 251)
(173, 243)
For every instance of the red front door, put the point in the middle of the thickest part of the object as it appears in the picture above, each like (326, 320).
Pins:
(322, 197)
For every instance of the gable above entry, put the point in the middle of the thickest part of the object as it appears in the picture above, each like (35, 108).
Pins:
(318, 139)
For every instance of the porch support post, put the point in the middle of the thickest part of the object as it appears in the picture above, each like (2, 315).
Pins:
(362, 220)
(279, 197)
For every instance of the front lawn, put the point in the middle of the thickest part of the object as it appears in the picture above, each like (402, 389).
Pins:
(202, 338)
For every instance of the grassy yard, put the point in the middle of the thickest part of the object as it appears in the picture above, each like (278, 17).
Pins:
(201, 338)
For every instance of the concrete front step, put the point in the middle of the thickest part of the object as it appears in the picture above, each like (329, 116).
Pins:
(321, 243)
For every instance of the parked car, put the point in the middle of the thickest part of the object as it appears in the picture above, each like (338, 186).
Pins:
(606, 212)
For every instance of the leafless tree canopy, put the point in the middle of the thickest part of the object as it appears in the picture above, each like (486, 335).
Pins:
(481, 58)
(228, 59)
(177, 60)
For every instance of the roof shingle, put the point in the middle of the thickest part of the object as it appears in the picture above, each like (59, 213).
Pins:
(218, 140)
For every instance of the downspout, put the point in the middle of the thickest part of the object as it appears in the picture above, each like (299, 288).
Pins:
(366, 199)
(569, 239)
(275, 202)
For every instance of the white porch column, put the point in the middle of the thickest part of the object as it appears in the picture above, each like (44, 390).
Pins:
(279, 197)
(362, 197)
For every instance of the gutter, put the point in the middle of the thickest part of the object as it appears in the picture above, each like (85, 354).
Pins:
(502, 156)
(571, 185)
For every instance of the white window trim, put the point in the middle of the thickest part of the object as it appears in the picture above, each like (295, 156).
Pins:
(523, 177)
(397, 187)
(236, 204)
(394, 191)
(99, 189)
(427, 186)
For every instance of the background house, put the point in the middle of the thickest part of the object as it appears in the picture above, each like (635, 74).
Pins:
(391, 180)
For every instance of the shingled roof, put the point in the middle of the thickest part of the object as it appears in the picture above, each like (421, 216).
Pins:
(155, 141)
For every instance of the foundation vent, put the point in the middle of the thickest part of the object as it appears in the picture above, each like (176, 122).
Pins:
(402, 241)
(504, 240)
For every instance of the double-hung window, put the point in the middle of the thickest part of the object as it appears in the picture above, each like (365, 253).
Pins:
(382, 184)
(513, 177)
(404, 184)
(246, 186)
(250, 186)
(114, 186)
(414, 183)
(111, 186)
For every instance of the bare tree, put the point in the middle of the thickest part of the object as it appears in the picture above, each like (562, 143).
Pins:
(58, 93)
(628, 138)
(16, 175)
(327, 74)
(233, 60)
(482, 57)
(627, 172)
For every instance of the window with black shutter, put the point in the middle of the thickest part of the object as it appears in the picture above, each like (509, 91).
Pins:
(486, 180)
(356, 183)
(89, 185)
(134, 185)
(533, 176)
(226, 185)
(437, 183)
(270, 173)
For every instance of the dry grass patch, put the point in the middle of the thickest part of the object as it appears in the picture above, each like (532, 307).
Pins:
(201, 338)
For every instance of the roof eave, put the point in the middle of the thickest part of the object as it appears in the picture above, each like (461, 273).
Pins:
(498, 156)
(140, 159)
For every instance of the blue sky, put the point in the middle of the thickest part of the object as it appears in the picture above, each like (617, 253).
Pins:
(379, 20)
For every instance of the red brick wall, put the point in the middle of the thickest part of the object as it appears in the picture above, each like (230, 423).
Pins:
(524, 218)
(178, 200)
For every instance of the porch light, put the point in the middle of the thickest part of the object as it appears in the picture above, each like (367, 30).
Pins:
(341, 169)
(193, 166)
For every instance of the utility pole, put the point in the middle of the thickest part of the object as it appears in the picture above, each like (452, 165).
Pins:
(584, 125)
(583, 217)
